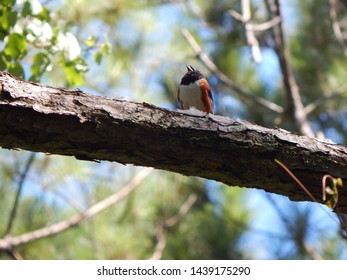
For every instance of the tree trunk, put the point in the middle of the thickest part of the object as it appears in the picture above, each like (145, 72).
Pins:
(55, 120)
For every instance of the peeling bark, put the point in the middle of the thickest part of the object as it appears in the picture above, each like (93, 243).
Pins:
(70, 122)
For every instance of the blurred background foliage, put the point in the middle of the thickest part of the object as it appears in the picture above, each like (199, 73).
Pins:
(135, 50)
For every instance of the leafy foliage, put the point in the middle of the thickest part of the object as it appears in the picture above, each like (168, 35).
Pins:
(34, 38)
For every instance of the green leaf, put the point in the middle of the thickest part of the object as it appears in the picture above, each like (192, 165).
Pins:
(16, 46)
(40, 63)
(26, 11)
(15, 69)
(12, 18)
(90, 42)
(73, 76)
(45, 15)
(8, 3)
(97, 57)
(8, 19)
(105, 48)
(2, 63)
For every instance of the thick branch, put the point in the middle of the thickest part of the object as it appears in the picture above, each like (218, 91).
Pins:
(69, 122)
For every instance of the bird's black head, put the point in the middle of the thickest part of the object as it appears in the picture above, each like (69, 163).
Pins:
(191, 76)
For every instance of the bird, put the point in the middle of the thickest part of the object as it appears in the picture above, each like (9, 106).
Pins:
(194, 92)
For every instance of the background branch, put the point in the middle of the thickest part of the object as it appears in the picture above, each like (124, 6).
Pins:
(9, 241)
(163, 225)
(336, 24)
(338, 93)
(251, 39)
(295, 105)
(265, 25)
(182, 211)
(250, 27)
(21, 182)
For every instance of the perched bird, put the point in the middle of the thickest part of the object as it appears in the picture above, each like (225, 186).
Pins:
(194, 92)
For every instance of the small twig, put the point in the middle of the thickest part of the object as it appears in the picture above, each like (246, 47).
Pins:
(296, 180)
(224, 79)
(13, 252)
(69, 200)
(266, 25)
(22, 179)
(182, 211)
(161, 237)
(321, 101)
(236, 15)
(306, 191)
(245, 18)
(336, 25)
(312, 252)
(10, 242)
(162, 225)
(257, 26)
(251, 38)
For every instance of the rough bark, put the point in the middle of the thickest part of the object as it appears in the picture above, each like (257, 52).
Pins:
(70, 122)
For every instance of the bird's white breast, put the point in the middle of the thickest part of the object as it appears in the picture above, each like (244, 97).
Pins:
(190, 96)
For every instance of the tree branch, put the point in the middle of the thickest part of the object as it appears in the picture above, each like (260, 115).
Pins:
(70, 122)
(338, 93)
(295, 105)
(163, 225)
(251, 38)
(22, 179)
(245, 18)
(10, 242)
(182, 211)
(336, 24)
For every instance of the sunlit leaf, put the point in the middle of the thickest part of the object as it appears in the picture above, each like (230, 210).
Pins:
(2, 63)
(26, 11)
(16, 46)
(106, 48)
(8, 19)
(16, 69)
(40, 63)
(97, 57)
(45, 14)
(90, 42)
(73, 76)
(8, 3)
